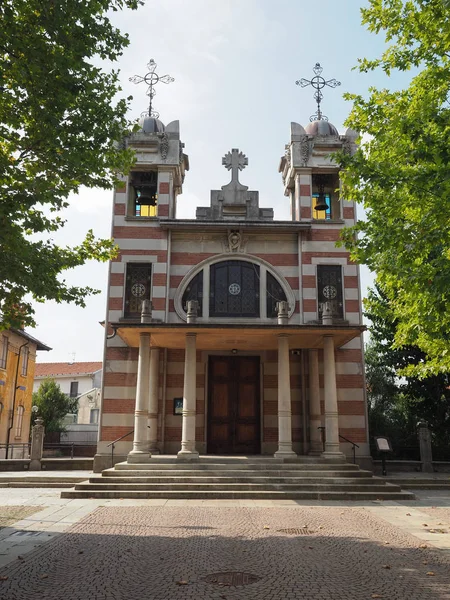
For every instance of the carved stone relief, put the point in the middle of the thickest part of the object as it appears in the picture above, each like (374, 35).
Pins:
(163, 145)
(305, 150)
(235, 242)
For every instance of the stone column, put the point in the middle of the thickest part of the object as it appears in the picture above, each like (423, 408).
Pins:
(140, 453)
(284, 400)
(426, 455)
(188, 451)
(37, 445)
(315, 418)
(331, 407)
(153, 401)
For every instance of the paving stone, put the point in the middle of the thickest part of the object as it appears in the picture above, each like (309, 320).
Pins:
(168, 552)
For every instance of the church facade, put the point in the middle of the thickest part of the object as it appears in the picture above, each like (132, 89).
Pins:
(232, 333)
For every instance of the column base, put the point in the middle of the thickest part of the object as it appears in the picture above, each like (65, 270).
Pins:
(334, 456)
(285, 454)
(136, 457)
(315, 453)
(187, 455)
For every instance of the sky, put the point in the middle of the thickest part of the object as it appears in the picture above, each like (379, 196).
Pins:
(235, 64)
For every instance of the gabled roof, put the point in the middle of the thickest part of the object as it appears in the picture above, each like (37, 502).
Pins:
(30, 338)
(61, 368)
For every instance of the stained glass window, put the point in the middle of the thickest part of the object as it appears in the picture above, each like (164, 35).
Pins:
(194, 291)
(145, 189)
(274, 294)
(137, 288)
(234, 289)
(329, 289)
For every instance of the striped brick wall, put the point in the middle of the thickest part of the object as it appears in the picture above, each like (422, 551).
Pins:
(143, 240)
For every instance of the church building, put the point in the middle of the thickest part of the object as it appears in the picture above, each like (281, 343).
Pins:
(233, 333)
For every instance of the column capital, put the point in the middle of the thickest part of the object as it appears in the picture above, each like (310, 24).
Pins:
(191, 334)
(144, 334)
(283, 335)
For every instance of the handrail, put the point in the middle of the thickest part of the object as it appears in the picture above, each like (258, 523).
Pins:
(113, 445)
(354, 445)
(349, 441)
(121, 438)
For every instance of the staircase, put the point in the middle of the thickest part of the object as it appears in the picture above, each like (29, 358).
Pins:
(259, 478)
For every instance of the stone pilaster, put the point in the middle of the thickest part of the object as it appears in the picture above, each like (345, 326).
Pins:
(140, 452)
(284, 400)
(331, 407)
(315, 418)
(188, 451)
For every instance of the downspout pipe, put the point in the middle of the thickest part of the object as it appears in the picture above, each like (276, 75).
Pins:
(8, 437)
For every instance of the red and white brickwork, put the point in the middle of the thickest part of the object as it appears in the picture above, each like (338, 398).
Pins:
(176, 251)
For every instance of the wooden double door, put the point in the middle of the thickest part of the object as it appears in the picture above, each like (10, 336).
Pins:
(234, 405)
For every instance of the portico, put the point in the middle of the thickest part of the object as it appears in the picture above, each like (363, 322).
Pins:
(228, 340)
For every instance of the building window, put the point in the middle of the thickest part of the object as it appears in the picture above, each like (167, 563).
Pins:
(93, 416)
(25, 356)
(73, 389)
(137, 289)
(144, 188)
(234, 289)
(274, 294)
(4, 352)
(324, 213)
(325, 199)
(194, 291)
(19, 421)
(1, 410)
(329, 289)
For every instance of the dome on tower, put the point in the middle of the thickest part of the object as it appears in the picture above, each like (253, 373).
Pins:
(151, 125)
(321, 127)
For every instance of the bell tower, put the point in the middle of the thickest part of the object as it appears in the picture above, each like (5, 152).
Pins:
(157, 177)
(310, 176)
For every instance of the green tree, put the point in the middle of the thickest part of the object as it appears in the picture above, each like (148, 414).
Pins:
(53, 405)
(401, 175)
(397, 404)
(59, 121)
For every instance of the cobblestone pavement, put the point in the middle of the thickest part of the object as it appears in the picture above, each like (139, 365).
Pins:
(277, 553)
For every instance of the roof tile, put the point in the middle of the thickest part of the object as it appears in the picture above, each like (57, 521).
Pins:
(61, 368)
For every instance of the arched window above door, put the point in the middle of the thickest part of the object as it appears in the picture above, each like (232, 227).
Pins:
(234, 288)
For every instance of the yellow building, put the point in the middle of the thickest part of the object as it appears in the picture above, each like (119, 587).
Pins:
(17, 363)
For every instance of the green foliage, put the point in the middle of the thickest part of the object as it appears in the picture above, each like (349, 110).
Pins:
(401, 175)
(397, 404)
(53, 405)
(59, 119)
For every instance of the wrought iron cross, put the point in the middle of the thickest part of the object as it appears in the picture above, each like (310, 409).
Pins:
(151, 79)
(235, 161)
(318, 83)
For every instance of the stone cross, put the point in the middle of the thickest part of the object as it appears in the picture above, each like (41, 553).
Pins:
(235, 161)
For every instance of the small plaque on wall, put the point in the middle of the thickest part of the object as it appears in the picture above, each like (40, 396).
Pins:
(178, 406)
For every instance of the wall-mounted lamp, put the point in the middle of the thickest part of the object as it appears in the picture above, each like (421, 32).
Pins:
(234, 351)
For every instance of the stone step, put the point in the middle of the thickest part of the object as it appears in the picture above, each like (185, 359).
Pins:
(38, 484)
(263, 466)
(419, 484)
(237, 473)
(247, 460)
(236, 495)
(240, 479)
(332, 487)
